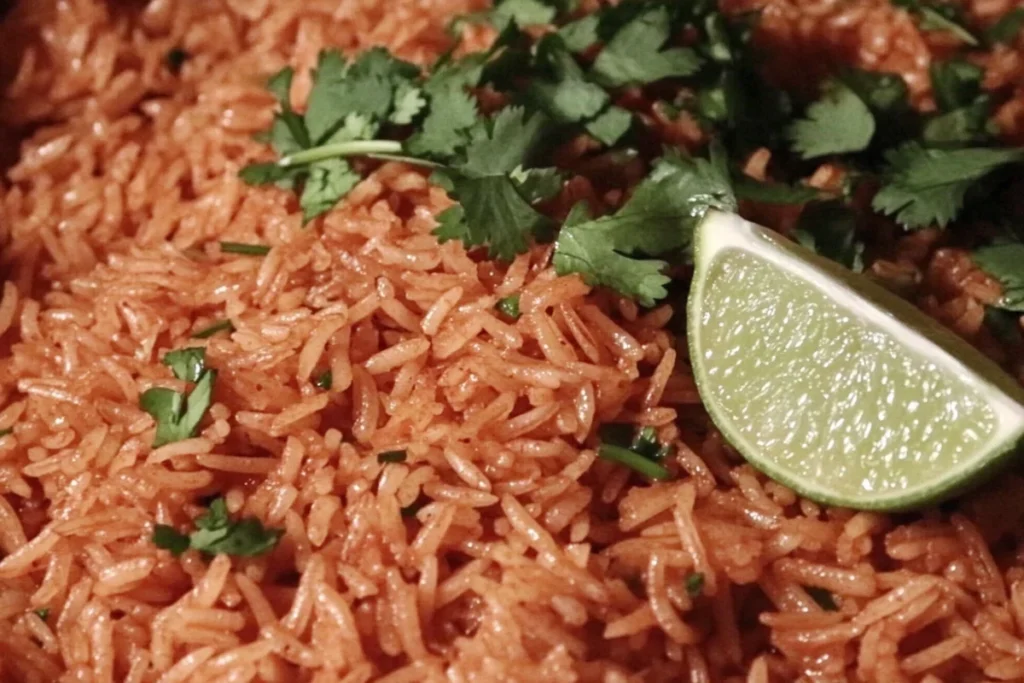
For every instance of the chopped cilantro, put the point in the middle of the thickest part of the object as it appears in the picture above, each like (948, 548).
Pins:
(187, 364)
(175, 59)
(177, 416)
(43, 613)
(928, 186)
(1005, 263)
(695, 584)
(838, 123)
(830, 229)
(325, 380)
(244, 249)
(823, 598)
(391, 456)
(219, 326)
(509, 306)
(945, 17)
(956, 83)
(217, 534)
(773, 193)
(968, 125)
(1007, 29)
(658, 219)
(634, 461)
(634, 55)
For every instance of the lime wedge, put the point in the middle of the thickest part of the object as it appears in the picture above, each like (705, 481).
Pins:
(832, 385)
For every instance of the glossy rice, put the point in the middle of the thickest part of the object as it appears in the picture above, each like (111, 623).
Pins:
(528, 559)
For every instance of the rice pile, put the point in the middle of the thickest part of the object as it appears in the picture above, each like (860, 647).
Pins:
(529, 559)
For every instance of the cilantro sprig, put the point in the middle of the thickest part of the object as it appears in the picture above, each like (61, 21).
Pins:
(217, 534)
(178, 414)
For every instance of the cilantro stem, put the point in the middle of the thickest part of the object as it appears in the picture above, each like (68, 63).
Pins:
(244, 249)
(408, 160)
(634, 461)
(351, 148)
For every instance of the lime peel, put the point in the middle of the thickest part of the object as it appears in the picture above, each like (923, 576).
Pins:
(834, 386)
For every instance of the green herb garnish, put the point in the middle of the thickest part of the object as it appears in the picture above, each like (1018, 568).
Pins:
(1005, 262)
(177, 415)
(244, 249)
(175, 59)
(43, 613)
(924, 186)
(830, 229)
(509, 306)
(187, 364)
(219, 326)
(695, 584)
(391, 456)
(217, 534)
(325, 380)
(634, 461)
(824, 598)
(1007, 29)
(838, 123)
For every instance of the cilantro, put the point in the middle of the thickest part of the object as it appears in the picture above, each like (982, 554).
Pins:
(657, 219)
(580, 34)
(773, 193)
(43, 613)
(391, 456)
(960, 127)
(956, 83)
(610, 125)
(695, 584)
(1005, 326)
(634, 461)
(217, 534)
(838, 123)
(177, 416)
(1005, 263)
(187, 364)
(445, 129)
(409, 102)
(830, 229)
(219, 326)
(1007, 29)
(537, 184)
(823, 598)
(561, 89)
(634, 55)
(492, 213)
(507, 141)
(325, 380)
(244, 249)
(366, 87)
(945, 17)
(175, 59)
(521, 12)
(329, 180)
(928, 186)
(509, 306)
(168, 538)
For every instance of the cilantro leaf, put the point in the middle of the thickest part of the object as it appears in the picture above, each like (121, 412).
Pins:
(1005, 263)
(491, 213)
(945, 17)
(773, 193)
(169, 538)
(42, 612)
(178, 417)
(956, 83)
(280, 86)
(366, 87)
(521, 12)
(928, 186)
(610, 125)
(657, 219)
(328, 182)
(964, 126)
(1007, 29)
(409, 103)
(186, 364)
(509, 306)
(634, 56)
(445, 129)
(217, 534)
(507, 141)
(838, 123)
(695, 584)
(271, 173)
(537, 184)
(324, 380)
(830, 229)
(581, 34)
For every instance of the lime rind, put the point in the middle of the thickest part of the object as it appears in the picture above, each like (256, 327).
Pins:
(878, 308)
